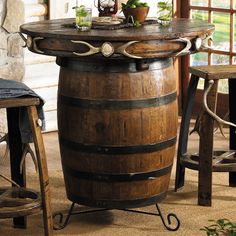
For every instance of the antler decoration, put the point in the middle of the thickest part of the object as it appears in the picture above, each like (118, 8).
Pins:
(35, 46)
(122, 50)
(106, 49)
(9, 180)
(197, 124)
(220, 122)
(92, 49)
(27, 149)
(4, 138)
(24, 39)
(205, 45)
(187, 46)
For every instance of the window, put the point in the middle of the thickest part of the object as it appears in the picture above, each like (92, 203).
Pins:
(222, 15)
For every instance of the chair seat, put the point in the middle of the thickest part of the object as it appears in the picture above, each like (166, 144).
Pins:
(214, 72)
(19, 102)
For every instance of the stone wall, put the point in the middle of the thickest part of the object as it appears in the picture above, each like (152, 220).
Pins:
(11, 52)
(16, 62)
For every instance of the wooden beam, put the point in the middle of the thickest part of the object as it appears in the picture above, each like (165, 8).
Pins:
(184, 8)
(184, 63)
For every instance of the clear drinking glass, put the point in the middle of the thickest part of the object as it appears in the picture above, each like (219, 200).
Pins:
(83, 18)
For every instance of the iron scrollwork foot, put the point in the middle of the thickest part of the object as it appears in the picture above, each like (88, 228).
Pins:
(60, 215)
(169, 216)
(62, 225)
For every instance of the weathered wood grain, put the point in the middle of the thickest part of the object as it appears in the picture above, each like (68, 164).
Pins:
(55, 38)
(214, 72)
(43, 170)
(113, 142)
(178, 28)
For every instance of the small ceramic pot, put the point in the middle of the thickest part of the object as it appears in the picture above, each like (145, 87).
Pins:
(139, 13)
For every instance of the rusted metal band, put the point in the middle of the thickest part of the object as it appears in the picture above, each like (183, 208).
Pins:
(116, 177)
(119, 204)
(80, 147)
(112, 65)
(117, 104)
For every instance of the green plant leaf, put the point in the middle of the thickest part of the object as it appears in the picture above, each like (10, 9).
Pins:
(221, 227)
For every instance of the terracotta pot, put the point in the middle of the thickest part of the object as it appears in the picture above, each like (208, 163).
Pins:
(139, 13)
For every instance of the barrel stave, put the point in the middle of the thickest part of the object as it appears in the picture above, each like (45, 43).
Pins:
(117, 131)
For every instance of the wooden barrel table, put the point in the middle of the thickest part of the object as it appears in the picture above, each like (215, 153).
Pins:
(117, 131)
(117, 106)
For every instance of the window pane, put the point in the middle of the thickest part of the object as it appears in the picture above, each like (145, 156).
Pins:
(221, 3)
(221, 60)
(234, 60)
(223, 86)
(202, 3)
(199, 59)
(218, 59)
(221, 36)
(199, 15)
(200, 84)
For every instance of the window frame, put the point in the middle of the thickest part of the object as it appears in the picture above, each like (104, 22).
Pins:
(232, 12)
(184, 8)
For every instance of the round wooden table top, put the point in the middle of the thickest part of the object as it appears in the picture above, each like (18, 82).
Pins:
(60, 38)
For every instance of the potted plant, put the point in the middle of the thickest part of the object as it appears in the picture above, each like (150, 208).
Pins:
(135, 11)
(221, 227)
(164, 13)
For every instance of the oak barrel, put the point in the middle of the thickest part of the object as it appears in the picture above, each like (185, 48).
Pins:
(117, 123)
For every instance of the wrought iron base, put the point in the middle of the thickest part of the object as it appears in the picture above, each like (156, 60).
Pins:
(168, 226)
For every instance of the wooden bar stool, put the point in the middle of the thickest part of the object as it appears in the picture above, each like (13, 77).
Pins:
(207, 160)
(18, 202)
